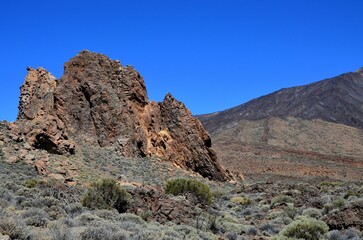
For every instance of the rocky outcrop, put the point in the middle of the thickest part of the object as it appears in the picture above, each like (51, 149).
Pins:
(153, 203)
(346, 217)
(101, 102)
(37, 119)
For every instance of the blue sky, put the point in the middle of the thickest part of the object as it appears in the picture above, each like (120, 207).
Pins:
(211, 55)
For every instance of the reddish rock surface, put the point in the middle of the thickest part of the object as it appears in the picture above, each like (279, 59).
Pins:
(346, 217)
(37, 119)
(154, 204)
(101, 102)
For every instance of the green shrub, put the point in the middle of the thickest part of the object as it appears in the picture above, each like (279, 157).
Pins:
(330, 184)
(101, 233)
(14, 228)
(30, 183)
(351, 193)
(305, 228)
(312, 213)
(244, 201)
(338, 203)
(180, 186)
(291, 211)
(265, 208)
(106, 194)
(281, 199)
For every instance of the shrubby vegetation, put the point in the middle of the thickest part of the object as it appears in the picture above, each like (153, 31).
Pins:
(281, 199)
(106, 194)
(244, 201)
(36, 208)
(305, 228)
(183, 185)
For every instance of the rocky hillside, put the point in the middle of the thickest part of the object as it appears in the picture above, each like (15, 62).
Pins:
(294, 148)
(314, 130)
(102, 103)
(338, 100)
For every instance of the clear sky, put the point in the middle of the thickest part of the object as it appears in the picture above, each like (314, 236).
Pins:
(211, 55)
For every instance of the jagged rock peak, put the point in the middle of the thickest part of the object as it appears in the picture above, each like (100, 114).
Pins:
(37, 119)
(36, 94)
(98, 101)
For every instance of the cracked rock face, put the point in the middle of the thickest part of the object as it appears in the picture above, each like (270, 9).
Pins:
(37, 119)
(101, 102)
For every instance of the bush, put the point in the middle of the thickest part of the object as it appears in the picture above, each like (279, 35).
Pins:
(30, 183)
(106, 194)
(14, 228)
(244, 201)
(182, 185)
(35, 217)
(312, 213)
(338, 203)
(330, 184)
(334, 235)
(60, 191)
(269, 228)
(100, 233)
(281, 199)
(306, 228)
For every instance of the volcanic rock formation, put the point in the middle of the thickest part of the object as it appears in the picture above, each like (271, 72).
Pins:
(101, 102)
(37, 118)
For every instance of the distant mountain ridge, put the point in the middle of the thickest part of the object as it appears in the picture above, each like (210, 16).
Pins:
(338, 100)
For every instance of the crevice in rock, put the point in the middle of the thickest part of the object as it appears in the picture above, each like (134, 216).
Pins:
(139, 146)
(208, 142)
(44, 142)
(87, 96)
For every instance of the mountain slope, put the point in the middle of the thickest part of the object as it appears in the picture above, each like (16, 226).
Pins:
(338, 100)
(291, 147)
(314, 130)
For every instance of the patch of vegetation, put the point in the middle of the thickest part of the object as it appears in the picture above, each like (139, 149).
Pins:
(30, 183)
(106, 194)
(244, 201)
(280, 199)
(338, 203)
(304, 228)
(312, 213)
(330, 184)
(181, 186)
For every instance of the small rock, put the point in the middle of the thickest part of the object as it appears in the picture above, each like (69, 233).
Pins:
(12, 159)
(56, 176)
(70, 182)
(23, 153)
(4, 237)
(14, 137)
(29, 157)
(12, 126)
(27, 146)
(1, 143)
(62, 171)
(40, 166)
(233, 182)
